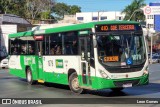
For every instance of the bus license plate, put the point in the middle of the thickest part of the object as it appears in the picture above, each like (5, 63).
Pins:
(127, 85)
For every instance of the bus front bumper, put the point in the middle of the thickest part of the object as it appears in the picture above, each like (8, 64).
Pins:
(102, 83)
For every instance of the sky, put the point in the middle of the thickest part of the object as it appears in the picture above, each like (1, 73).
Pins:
(101, 5)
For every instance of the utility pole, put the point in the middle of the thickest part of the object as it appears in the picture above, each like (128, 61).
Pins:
(134, 13)
(98, 15)
(151, 48)
(91, 16)
(115, 15)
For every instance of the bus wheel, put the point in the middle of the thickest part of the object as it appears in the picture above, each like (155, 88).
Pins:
(74, 84)
(29, 77)
(117, 89)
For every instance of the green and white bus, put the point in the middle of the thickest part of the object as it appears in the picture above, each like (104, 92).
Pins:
(94, 55)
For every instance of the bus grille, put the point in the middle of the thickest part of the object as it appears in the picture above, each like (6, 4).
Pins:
(121, 83)
(124, 70)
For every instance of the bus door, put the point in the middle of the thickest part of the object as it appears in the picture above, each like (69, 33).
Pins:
(84, 49)
(40, 59)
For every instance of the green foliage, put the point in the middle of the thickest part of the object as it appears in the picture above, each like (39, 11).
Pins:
(130, 9)
(74, 9)
(45, 15)
(37, 9)
(30, 9)
(12, 7)
(62, 9)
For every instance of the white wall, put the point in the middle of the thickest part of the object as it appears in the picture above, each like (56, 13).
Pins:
(149, 30)
(5, 31)
(111, 15)
(150, 20)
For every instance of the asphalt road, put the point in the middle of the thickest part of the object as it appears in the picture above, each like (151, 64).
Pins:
(13, 87)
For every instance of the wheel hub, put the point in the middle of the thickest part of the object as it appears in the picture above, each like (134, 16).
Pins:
(75, 83)
(29, 76)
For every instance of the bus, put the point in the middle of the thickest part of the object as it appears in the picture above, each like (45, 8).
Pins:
(93, 56)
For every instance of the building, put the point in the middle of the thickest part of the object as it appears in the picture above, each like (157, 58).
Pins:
(99, 16)
(153, 21)
(10, 24)
(69, 19)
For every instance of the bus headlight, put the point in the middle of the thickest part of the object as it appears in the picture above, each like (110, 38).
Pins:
(103, 74)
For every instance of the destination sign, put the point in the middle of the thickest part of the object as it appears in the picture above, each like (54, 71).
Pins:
(111, 59)
(126, 27)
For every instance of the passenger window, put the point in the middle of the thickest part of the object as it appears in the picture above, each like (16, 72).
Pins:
(22, 46)
(55, 44)
(47, 45)
(71, 43)
(31, 47)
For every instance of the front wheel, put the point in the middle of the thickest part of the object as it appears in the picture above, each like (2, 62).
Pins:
(74, 84)
(29, 77)
(117, 89)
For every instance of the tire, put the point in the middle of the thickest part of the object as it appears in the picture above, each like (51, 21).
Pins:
(73, 83)
(29, 77)
(117, 89)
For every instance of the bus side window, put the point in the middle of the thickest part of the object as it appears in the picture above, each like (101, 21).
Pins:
(15, 48)
(23, 49)
(39, 51)
(68, 50)
(55, 44)
(31, 52)
(52, 51)
(30, 46)
(15, 51)
(71, 43)
(58, 50)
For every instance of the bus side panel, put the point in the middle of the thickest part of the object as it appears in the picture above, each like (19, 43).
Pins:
(16, 66)
(54, 77)
(31, 61)
(56, 68)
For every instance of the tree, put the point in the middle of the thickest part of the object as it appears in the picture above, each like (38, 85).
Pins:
(35, 7)
(74, 9)
(130, 9)
(18, 8)
(5, 5)
(12, 7)
(62, 9)
(29, 9)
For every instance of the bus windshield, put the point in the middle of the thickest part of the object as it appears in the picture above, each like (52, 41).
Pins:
(121, 50)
